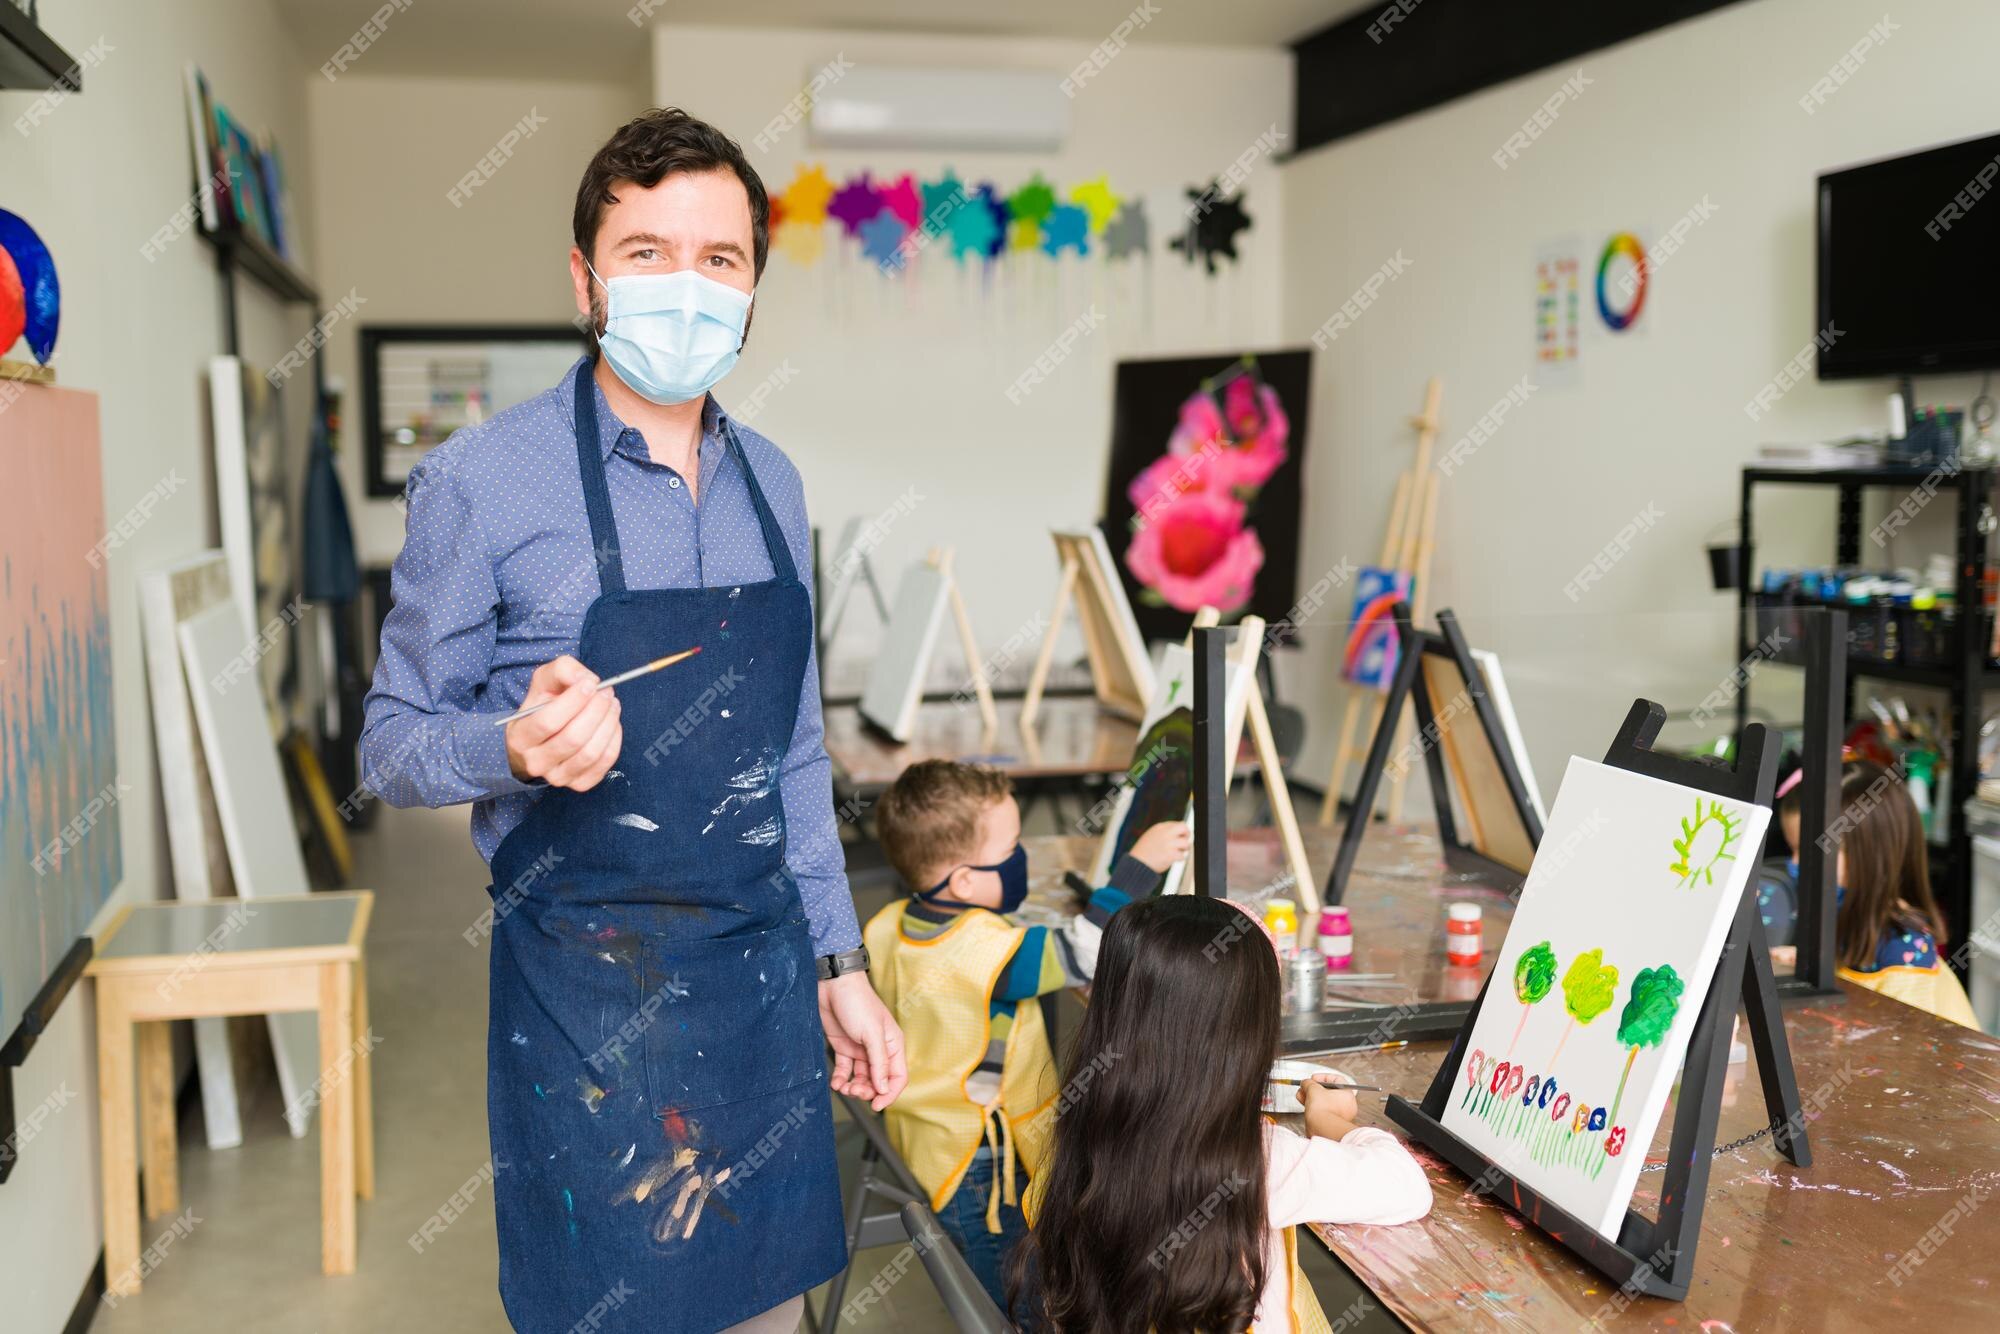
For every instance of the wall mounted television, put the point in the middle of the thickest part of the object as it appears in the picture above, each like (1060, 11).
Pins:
(1909, 264)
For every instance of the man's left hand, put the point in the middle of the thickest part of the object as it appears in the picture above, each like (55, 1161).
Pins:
(867, 1045)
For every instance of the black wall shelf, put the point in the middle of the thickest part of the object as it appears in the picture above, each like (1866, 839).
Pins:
(30, 60)
(1968, 671)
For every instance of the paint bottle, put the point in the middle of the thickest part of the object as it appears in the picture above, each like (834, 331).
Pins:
(1281, 920)
(1462, 942)
(1336, 938)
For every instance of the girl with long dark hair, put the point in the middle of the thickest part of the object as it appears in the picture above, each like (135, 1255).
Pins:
(1170, 1202)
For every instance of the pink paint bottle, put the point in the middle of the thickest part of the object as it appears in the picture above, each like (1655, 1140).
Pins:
(1462, 943)
(1336, 938)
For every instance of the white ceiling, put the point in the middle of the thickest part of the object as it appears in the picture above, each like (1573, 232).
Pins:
(586, 39)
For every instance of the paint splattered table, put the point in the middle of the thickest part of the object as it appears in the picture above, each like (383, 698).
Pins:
(1888, 1229)
(1398, 897)
(162, 961)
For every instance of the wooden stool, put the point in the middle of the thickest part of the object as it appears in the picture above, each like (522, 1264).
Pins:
(159, 962)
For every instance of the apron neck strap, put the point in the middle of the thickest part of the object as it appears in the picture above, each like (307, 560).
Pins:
(597, 494)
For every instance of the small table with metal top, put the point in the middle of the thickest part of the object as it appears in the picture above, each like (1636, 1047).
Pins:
(162, 961)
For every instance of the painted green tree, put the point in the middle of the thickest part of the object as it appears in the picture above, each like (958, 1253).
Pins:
(1534, 974)
(1589, 987)
(1649, 1012)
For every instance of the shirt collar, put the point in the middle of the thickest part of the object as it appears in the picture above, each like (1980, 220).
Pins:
(613, 433)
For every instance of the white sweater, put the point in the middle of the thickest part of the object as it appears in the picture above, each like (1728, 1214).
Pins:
(1368, 1177)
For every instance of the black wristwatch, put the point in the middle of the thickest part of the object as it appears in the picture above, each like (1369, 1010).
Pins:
(834, 965)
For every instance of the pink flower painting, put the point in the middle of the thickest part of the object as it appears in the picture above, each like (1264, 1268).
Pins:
(1192, 544)
(1194, 552)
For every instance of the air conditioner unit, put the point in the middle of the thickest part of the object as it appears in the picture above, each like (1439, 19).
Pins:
(888, 106)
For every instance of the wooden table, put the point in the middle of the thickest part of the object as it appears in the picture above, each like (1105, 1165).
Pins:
(1904, 1130)
(1072, 738)
(1397, 898)
(1906, 1137)
(159, 962)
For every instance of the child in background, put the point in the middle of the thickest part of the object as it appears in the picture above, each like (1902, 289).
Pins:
(955, 972)
(1887, 928)
(1170, 1204)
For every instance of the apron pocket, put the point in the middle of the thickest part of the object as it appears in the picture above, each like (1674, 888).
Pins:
(740, 1018)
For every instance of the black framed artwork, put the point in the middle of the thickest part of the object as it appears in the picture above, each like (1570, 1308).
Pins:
(419, 383)
(1204, 486)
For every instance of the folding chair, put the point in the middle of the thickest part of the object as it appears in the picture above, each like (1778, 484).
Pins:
(971, 1308)
(883, 1175)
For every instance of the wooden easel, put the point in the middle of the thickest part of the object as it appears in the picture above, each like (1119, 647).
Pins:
(851, 565)
(1406, 549)
(1655, 1256)
(1120, 672)
(1248, 648)
(894, 721)
(968, 643)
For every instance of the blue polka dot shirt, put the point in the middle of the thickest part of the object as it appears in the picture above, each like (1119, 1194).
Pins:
(495, 575)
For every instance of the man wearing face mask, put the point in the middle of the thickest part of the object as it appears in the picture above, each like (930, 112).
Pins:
(672, 930)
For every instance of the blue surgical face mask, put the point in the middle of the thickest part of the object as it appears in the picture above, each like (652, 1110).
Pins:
(1013, 873)
(671, 336)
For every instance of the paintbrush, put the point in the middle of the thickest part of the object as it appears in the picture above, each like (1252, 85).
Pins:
(617, 680)
(1350, 1088)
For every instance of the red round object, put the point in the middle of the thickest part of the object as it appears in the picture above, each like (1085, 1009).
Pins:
(13, 303)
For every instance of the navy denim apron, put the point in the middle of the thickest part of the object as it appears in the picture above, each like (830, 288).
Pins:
(656, 1079)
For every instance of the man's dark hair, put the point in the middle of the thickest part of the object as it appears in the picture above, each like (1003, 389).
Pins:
(646, 150)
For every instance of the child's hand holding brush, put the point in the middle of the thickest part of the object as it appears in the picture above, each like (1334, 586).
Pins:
(1330, 1111)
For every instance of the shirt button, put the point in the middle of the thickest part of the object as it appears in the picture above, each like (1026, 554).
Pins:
(674, 482)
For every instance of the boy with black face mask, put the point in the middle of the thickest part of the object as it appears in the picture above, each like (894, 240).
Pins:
(955, 971)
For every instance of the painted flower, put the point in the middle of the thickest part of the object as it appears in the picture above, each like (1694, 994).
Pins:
(1243, 439)
(1168, 478)
(1195, 552)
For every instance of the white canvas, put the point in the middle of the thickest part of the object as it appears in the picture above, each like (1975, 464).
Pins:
(1133, 643)
(252, 516)
(847, 566)
(250, 795)
(1164, 755)
(896, 678)
(1634, 874)
(168, 596)
(1503, 704)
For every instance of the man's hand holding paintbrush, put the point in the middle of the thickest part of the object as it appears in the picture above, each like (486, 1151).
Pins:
(572, 738)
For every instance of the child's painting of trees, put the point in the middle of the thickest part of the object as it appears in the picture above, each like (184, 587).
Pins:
(1610, 951)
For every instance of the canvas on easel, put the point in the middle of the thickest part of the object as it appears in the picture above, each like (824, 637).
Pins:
(927, 591)
(1402, 575)
(1160, 784)
(1633, 944)
(1488, 818)
(1473, 763)
(1119, 669)
(848, 567)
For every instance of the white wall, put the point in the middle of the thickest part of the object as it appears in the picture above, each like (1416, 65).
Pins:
(97, 178)
(385, 152)
(900, 382)
(1705, 110)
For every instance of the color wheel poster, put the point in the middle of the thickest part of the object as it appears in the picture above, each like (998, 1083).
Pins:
(1599, 981)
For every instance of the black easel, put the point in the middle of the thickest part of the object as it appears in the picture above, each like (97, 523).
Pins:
(1408, 684)
(1656, 1256)
(1211, 742)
